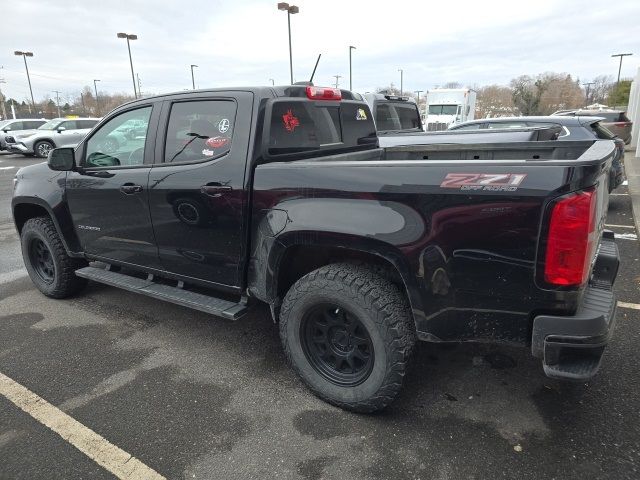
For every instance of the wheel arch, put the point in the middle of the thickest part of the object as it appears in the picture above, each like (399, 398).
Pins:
(289, 258)
(25, 208)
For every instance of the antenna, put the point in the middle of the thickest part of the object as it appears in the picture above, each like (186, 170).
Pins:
(314, 69)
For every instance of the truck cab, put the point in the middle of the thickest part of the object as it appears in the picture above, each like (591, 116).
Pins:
(449, 106)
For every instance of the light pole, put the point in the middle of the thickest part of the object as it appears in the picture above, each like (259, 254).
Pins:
(351, 47)
(57, 101)
(620, 67)
(130, 36)
(337, 77)
(193, 81)
(586, 95)
(272, 81)
(24, 56)
(2, 100)
(95, 87)
(291, 10)
(418, 92)
(401, 79)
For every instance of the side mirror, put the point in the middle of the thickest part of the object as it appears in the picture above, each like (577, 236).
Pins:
(61, 159)
(61, 129)
(7, 129)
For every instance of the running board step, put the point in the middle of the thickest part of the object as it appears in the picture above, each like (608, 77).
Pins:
(179, 296)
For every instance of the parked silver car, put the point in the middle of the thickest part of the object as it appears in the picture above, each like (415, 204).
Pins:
(55, 133)
(18, 126)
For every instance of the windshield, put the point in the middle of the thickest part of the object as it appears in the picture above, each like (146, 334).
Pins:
(50, 125)
(4, 122)
(443, 109)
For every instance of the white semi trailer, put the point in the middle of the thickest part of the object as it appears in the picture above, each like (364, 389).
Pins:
(449, 106)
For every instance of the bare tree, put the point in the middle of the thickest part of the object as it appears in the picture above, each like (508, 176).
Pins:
(526, 94)
(494, 101)
(452, 85)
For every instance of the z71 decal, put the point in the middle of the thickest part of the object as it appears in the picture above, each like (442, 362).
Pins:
(495, 182)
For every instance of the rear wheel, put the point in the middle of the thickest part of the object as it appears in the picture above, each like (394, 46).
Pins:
(42, 148)
(349, 334)
(46, 260)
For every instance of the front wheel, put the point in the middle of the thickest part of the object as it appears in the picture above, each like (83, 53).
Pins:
(349, 334)
(42, 148)
(47, 262)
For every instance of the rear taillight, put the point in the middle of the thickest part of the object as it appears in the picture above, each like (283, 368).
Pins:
(324, 93)
(572, 239)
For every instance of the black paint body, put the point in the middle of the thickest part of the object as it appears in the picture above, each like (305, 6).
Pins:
(470, 261)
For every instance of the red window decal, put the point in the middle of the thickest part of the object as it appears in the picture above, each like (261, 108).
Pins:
(216, 142)
(290, 121)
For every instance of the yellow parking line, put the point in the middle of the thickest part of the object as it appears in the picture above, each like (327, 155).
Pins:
(97, 448)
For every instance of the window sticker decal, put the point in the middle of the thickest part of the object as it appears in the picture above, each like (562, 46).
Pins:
(361, 114)
(216, 142)
(224, 125)
(207, 153)
(290, 121)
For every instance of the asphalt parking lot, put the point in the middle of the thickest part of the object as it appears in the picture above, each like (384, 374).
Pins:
(194, 396)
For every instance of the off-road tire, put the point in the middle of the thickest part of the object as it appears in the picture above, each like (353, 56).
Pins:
(379, 306)
(64, 282)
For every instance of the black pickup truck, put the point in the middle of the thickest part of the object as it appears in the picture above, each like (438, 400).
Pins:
(282, 195)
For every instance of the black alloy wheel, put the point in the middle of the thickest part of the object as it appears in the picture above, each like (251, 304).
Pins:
(337, 345)
(42, 260)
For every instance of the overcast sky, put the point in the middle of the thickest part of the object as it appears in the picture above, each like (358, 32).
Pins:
(244, 42)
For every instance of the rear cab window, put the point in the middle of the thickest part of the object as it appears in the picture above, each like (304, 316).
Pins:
(199, 130)
(397, 115)
(301, 126)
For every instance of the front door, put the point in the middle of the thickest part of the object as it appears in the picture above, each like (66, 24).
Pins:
(196, 187)
(108, 196)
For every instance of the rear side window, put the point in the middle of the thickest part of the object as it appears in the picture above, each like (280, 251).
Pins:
(86, 123)
(602, 132)
(70, 124)
(501, 125)
(471, 126)
(199, 130)
(298, 126)
(32, 124)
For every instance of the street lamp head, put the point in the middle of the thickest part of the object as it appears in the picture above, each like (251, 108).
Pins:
(293, 9)
(193, 66)
(132, 37)
(28, 54)
(283, 6)
(351, 46)
(17, 52)
(122, 35)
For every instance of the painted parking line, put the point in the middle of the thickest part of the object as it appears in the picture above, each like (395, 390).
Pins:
(619, 226)
(626, 182)
(635, 306)
(618, 194)
(6, 168)
(626, 236)
(97, 448)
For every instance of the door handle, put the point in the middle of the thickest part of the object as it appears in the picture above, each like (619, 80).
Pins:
(215, 190)
(130, 188)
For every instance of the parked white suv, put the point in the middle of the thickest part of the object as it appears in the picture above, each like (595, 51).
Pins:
(18, 126)
(59, 132)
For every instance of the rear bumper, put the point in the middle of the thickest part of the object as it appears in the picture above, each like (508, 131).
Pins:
(571, 347)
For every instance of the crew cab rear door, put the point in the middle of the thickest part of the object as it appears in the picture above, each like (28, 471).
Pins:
(107, 194)
(197, 195)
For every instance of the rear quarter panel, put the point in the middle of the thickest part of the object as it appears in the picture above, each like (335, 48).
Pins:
(467, 255)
